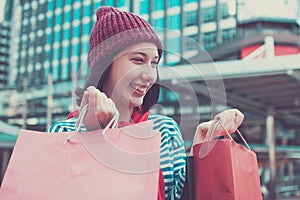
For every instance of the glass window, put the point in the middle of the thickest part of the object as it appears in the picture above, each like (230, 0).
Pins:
(49, 39)
(209, 14)
(65, 71)
(159, 5)
(174, 45)
(174, 22)
(75, 50)
(56, 54)
(50, 22)
(84, 48)
(68, 16)
(50, 5)
(228, 34)
(160, 97)
(76, 31)
(171, 96)
(121, 3)
(65, 53)
(57, 36)
(86, 29)
(58, 19)
(87, 10)
(68, 2)
(224, 11)
(190, 1)
(173, 3)
(77, 13)
(159, 23)
(191, 18)
(144, 7)
(55, 72)
(210, 39)
(192, 42)
(110, 3)
(59, 4)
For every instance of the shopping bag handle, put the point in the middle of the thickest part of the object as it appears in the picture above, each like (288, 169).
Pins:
(112, 123)
(214, 125)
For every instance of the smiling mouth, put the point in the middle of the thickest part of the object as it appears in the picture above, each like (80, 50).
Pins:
(141, 90)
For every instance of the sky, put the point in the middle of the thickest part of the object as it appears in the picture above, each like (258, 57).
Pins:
(2, 5)
(286, 9)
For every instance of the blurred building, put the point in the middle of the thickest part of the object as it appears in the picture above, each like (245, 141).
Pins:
(5, 30)
(53, 35)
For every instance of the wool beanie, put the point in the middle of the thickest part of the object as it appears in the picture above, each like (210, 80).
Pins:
(116, 30)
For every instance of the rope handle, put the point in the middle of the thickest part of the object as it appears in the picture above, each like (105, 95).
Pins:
(112, 123)
(240, 134)
(213, 127)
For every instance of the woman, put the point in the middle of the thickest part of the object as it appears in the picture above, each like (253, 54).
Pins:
(123, 57)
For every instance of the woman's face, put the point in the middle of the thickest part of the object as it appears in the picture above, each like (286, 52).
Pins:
(132, 73)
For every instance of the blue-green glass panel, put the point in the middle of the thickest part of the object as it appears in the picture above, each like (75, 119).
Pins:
(171, 96)
(97, 4)
(65, 71)
(56, 36)
(190, 1)
(68, 16)
(50, 22)
(174, 45)
(174, 22)
(66, 34)
(87, 10)
(77, 13)
(76, 31)
(55, 73)
(159, 23)
(121, 3)
(86, 29)
(75, 49)
(144, 7)
(84, 48)
(110, 2)
(49, 39)
(160, 97)
(59, 3)
(65, 53)
(68, 2)
(51, 5)
(56, 54)
(173, 3)
(159, 5)
(58, 19)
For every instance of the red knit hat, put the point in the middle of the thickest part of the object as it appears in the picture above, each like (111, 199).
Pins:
(116, 30)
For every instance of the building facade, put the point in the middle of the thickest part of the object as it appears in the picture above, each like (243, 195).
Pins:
(53, 39)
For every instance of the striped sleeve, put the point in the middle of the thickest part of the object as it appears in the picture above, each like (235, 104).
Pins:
(63, 126)
(173, 156)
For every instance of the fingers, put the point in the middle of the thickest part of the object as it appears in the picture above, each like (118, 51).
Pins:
(101, 108)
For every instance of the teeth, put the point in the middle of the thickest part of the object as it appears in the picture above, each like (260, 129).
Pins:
(136, 87)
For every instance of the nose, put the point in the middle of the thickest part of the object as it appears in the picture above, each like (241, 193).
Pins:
(149, 73)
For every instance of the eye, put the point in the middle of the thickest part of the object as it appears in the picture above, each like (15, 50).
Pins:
(154, 64)
(138, 60)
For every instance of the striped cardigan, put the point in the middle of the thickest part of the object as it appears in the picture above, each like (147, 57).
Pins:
(172, 152)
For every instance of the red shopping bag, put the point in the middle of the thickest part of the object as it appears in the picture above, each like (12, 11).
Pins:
(116, 165)
(225, 170)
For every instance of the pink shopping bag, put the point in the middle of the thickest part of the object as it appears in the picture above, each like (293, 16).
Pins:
(122, 164)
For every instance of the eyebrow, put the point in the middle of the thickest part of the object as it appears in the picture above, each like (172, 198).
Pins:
(143, 54)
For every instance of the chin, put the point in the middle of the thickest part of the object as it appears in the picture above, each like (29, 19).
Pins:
(136, 102)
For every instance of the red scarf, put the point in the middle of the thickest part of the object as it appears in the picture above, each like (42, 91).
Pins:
(137, 116)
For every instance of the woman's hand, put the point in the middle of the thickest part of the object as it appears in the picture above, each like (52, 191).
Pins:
(101, 108)
(231, 119)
